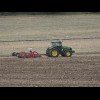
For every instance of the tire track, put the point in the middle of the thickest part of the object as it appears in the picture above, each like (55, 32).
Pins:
(51, 39)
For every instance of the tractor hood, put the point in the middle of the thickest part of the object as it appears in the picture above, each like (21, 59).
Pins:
(52, 47)
(65, 47)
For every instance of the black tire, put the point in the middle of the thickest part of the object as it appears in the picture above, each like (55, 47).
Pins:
(63, 55)
(20, 55)
(51, 53)
(47, 52)
(67, 54)
(14, 54)
(17, 54)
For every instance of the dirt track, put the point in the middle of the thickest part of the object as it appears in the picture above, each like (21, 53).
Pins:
(75, 71)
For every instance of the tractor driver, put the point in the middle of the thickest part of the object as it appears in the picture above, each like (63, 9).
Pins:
(30, 49)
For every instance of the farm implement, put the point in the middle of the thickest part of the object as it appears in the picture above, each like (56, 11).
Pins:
(30, 54)
(54, 51)
(33, 54)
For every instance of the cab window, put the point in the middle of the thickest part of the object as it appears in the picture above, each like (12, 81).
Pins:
(56, 44)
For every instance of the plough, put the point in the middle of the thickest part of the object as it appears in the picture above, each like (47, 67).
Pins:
(33, 54)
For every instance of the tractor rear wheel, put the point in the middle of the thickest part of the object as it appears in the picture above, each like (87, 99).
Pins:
(53, 53)
(67, 54)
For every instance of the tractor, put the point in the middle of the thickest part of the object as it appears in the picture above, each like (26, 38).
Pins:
(57, 49)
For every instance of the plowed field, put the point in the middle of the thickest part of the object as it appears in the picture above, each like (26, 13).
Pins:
(50, 72)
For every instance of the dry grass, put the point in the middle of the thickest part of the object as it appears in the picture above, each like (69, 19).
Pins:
(43, 27)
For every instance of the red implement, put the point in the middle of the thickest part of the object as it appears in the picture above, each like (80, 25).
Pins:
(29, 54)
(33, 54)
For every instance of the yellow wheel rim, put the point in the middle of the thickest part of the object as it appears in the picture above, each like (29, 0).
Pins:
(54, 53)
(68, 53)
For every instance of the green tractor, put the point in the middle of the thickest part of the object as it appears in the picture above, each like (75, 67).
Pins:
(57, 49)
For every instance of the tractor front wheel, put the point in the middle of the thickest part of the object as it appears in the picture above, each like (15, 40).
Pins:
(67, 54)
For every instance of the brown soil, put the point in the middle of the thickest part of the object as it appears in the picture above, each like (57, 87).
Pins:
(53, 72)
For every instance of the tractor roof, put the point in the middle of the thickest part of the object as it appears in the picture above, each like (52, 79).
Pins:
(56, 41)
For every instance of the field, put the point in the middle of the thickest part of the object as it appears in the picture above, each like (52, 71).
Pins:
(50, 72)
(81, 32)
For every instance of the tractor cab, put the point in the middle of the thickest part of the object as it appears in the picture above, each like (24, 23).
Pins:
(56, 43)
